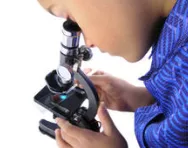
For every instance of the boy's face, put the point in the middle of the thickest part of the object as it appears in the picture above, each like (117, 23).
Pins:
(105, 23)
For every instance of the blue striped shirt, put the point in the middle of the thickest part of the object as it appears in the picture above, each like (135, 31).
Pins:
(165, 123)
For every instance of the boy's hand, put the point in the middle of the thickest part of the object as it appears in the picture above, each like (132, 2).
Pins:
(117, 94)
(70, 136)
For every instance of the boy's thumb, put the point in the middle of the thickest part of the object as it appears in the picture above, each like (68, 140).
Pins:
(106, 120)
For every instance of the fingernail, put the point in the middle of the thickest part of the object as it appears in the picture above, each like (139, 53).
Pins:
(57, 120)
(91, 72)
(56, 131)
(102, 104)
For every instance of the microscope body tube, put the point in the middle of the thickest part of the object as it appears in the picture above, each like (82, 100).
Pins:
(71, 55)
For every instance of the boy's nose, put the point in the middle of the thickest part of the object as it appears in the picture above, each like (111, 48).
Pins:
(89, 43)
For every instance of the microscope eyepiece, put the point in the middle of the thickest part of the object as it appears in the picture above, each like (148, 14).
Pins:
(71, 34)
(71, 26)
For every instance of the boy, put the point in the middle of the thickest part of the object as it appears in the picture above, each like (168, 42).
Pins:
(128, 28)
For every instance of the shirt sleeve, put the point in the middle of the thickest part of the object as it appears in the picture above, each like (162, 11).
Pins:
(165, 124)
(172, 132)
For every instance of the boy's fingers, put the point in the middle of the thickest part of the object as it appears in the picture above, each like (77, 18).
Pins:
(69, 139)
(106, 120)
(70, 129)
(87, 70)
(99, 73)
(100, 93)
(98, 80)
(60, 142)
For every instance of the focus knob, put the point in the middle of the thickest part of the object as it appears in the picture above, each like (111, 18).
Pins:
(87, 53)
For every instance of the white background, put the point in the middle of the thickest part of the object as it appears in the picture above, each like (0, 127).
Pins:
(29, 49)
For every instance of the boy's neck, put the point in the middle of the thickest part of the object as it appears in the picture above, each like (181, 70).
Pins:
(160, 9)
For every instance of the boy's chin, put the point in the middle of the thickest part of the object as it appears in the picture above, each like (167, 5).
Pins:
(109, 53)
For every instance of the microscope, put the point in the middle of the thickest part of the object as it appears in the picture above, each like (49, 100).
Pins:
(62, 95)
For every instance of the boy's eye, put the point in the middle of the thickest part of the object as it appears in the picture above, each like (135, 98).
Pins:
(50, 10)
